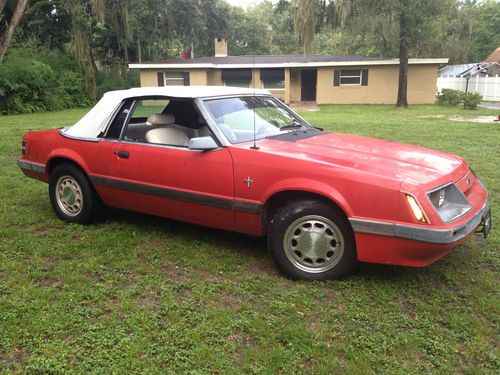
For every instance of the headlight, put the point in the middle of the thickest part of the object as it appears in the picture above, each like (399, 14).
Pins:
(449, 202)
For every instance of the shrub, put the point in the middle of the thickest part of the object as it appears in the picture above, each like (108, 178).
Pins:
(471, 100)
(30, 85)
(116, 79)
(73, 89)
(450, 97)
(26, 82)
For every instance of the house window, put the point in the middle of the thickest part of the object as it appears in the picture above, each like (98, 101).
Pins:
(237, 77)
(237, 83)
(274, 84)
(273, 78)
(173, 78)
(345, 77)
(350, 77)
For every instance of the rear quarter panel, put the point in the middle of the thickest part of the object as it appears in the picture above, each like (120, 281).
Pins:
(45, 146)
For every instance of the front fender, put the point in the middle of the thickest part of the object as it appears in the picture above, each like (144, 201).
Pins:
(310, 186)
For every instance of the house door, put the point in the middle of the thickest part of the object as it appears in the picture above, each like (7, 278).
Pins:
(308, 84)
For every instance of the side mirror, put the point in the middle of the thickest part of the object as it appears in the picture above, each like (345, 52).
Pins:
(202, 144)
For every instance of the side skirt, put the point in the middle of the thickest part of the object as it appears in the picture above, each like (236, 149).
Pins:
(177, 194)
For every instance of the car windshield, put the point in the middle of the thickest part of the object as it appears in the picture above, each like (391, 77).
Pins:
(237, 117)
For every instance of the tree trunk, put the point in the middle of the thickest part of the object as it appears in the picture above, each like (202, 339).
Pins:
(139, 49)
(403, 60)
(403, 75)
(2, 5)
(125, 54)
(11, 27)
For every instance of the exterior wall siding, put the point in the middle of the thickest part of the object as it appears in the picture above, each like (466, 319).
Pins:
(382, 86)
(422, 84)
(215, 77)
(295, 83)
(148, 78)
(197, 77)
(381, 89)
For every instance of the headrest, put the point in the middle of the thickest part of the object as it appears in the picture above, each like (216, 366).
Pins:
(160, 119)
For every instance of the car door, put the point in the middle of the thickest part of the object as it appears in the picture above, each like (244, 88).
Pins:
(173, 182)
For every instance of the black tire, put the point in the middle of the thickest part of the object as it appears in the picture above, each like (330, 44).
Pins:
(87, 205)
(334, 243)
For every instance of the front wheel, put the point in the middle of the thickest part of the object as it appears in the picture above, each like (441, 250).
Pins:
(311, 240)
(72, 196)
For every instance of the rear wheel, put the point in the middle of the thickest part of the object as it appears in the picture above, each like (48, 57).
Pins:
(312, 240)
(72, 196)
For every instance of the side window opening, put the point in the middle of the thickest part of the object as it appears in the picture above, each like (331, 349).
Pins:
(165, 121)
(116, 126)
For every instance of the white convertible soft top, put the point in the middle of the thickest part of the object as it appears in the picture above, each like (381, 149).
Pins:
(94, 122)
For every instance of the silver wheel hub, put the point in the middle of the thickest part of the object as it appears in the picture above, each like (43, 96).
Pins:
(313, 244)
(69, 195)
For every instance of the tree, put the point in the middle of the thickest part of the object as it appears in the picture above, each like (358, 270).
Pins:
(22, 9)
(485, 35)
(414, 17)
(311, 15)
(371, 16)
(90, 16)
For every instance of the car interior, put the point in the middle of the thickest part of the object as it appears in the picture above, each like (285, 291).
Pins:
(159, 121)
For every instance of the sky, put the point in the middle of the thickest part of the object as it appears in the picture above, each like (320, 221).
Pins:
(244, 3)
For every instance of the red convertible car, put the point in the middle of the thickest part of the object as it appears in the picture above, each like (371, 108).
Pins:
(240, 160)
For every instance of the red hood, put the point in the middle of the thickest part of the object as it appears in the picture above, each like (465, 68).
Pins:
(399, 161)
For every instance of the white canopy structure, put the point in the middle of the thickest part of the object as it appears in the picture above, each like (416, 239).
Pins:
(94, 122)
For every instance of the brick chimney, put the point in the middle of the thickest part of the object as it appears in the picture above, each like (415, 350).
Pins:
(220, 47)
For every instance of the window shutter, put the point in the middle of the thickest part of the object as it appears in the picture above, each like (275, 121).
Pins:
(186, 79)
(336, 77)
(161, 79)
(364, 77)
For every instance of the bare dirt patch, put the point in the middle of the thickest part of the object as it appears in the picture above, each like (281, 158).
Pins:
(240, 339)
(305, 106)
(98, 278)
(313, 327)
(17, 356)
(77, 239)
(328, 296)
(227, 300)
(208, 275)
(174, 272)
(44, 231)
(131, 280)
(49, 282)
(408, 310)
(149, 245)
(149, 301)
(480, 119)
(262, 268)
(144, 249)
(183, 294)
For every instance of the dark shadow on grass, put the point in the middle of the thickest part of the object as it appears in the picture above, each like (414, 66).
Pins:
(255, 250)
(404, 276)
(250, 246)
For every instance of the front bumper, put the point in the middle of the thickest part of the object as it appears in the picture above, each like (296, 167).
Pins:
(420, 233)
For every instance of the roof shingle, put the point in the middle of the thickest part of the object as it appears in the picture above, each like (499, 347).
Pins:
(266, 59)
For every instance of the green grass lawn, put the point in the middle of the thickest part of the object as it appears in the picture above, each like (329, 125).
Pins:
(139, 294)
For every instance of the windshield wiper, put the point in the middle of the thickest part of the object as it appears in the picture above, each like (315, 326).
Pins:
(291, 126)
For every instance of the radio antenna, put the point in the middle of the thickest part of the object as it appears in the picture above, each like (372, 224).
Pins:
(254, 147)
